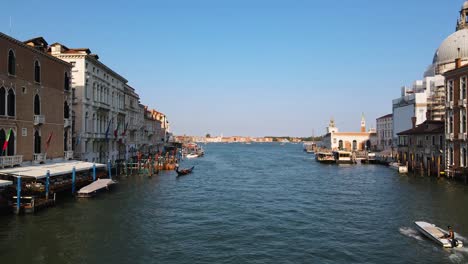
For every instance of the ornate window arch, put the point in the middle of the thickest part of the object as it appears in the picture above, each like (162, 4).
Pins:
(37, 105)
(37, 71)
(3, 96)
(11, 62)
(11, 102)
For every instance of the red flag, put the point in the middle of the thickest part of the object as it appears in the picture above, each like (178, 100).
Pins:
(49, 139)
(5, 145)
(116, 130)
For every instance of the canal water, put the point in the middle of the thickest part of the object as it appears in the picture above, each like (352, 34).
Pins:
(258, 203)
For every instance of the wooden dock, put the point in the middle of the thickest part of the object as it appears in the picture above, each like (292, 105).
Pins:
(91, 189)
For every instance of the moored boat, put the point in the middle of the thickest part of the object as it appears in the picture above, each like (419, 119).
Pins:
(184, 171)
(325, 157)
(398, 167)
(191, 156)
(344, 157)
(437, 234)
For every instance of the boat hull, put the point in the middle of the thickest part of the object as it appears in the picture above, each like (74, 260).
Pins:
(435, 233)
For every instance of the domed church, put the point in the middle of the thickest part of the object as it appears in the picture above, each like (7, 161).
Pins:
(453, 47)
(425, 99)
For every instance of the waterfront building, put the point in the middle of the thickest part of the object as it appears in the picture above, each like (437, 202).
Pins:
(98, 105)
(350, 141)
(416, 101)
(384, 132)
(133, 121)
(456, 123)
(420, 148)
(35, 98)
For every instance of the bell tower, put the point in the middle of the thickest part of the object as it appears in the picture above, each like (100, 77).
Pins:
(332, 127)
(363, 123)
(463, 20)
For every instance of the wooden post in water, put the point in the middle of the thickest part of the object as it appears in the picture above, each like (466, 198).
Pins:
(73, 180)
(438, 166)
(18, 194)
(47, 184)
(109, 169)
(94, 172)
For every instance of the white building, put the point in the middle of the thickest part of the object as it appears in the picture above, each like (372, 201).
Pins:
(350, 141)
(98, 105)
(385, 132)
(421, 101)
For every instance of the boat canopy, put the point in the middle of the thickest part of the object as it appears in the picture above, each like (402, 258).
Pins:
(4, 183)
(56, 169)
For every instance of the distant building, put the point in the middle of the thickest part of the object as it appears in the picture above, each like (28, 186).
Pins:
(421, 147)
(35, 98)
(98, 105)
(385, 132)
(350, 141)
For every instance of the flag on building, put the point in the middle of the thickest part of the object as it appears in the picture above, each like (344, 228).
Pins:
(116, 130)
(107, 130)
(5, 145)
(49, 139)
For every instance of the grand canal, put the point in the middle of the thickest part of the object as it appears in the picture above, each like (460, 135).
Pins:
(256, 203)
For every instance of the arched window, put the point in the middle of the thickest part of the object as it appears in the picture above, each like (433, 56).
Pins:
(451, 156)
(37, 72)
(354, 145)
(463, 159)
(11, 103)
(65, 140)
(11, 63)
(86, 122)
(66, 84)
(2, 101)
(66, 110)
(2, 140)
(37, 105)
(340, 145)
(11, 144)
(37, 142)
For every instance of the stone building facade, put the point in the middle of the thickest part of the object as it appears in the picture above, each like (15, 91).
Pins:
(384, 132)
(35, 102)
(98, 105)
(421, 148)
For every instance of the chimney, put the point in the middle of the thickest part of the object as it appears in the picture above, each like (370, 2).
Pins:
(413, 121)
(457, 63)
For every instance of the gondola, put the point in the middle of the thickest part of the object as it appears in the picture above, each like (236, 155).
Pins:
(184, 171)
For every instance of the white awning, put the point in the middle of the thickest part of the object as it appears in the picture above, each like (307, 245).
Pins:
(4, 183)
(56, 169)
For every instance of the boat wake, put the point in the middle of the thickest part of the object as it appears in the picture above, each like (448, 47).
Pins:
(458, 255)
(410, 232)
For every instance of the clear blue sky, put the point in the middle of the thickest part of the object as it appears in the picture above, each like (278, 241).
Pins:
(251, 67)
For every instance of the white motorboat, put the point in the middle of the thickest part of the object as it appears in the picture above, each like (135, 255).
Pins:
(400, 168)
(191, 156)
(436, 234)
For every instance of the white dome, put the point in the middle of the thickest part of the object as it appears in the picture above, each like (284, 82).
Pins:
(465, 5)
(453, 47)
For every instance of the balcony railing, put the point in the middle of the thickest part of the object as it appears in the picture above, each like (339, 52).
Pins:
(462, 136)
(39, 120)
(10, 161)
(449, 136)
(68, 155)
(39, 158)
(462, 103)
(67, 122)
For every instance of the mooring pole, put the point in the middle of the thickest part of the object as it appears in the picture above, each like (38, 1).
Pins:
(18, 194)
(109, 169)
(73, 179)
(94, 172)
(47, 184)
